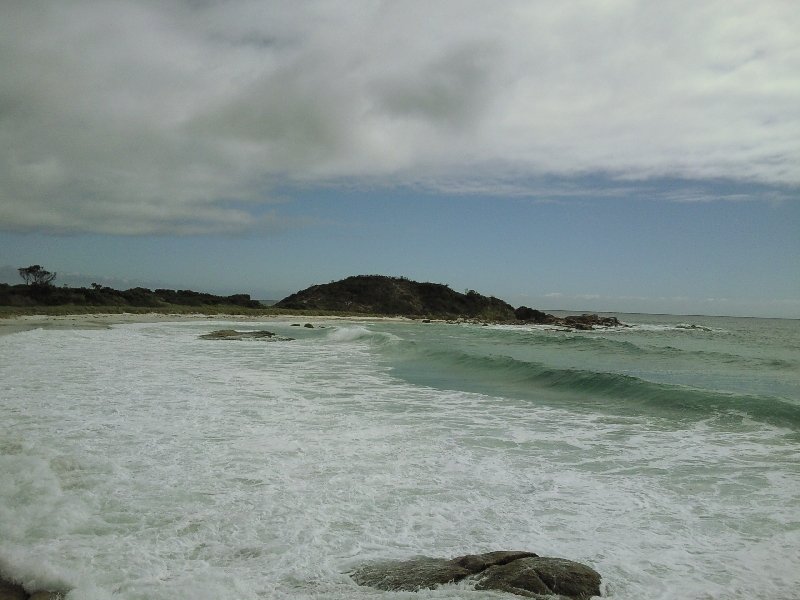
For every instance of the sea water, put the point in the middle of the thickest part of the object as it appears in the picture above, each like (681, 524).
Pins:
(143, 462)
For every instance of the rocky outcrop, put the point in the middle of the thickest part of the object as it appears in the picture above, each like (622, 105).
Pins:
(542, 576)
(521, 573)
(380, 295)
(410, 575)
(232, 334)
(584, 322)
(523, 313)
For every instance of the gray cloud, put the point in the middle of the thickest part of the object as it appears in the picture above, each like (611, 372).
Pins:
(149, 117)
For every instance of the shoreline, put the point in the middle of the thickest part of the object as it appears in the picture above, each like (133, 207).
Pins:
(101, 320)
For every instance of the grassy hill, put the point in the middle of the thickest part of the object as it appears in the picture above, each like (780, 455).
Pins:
(381, 295)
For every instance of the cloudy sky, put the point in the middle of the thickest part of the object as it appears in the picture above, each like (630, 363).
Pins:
(603, 155)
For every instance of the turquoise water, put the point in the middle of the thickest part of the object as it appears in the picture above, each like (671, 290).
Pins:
(144, 462)
(678, 365)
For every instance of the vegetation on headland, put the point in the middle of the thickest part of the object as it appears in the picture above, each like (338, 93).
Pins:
(44, 294)
(378, 294)
(357, 296)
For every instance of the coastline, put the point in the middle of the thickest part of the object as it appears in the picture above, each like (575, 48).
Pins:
(102, 320)
(301, 411)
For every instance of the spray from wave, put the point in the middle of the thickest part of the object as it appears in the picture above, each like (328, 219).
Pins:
(360, 333)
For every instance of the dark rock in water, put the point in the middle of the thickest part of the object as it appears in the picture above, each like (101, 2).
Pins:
(12, 591)
(521, 573)
(475, 563)
(700, 327)
(584, 322)
(309, 325)
(543, 576)
(410, 575)
(232, 334)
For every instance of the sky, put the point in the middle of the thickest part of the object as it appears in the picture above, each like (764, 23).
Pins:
(614, 155)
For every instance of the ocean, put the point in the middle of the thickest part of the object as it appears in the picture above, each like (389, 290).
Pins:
(143, 462)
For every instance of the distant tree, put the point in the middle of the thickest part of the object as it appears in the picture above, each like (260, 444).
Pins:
(36, 274)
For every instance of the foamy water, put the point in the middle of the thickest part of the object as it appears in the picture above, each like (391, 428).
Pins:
(143, 462)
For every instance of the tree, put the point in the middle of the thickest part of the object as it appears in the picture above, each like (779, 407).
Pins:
(36, 274)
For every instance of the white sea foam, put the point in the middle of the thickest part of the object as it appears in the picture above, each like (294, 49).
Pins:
(348, 334)
(687, 327)
(142, 462)
(359, 332)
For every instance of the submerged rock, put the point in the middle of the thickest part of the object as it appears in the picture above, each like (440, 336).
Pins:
(232, 334)
(521, 573)
(685, 326)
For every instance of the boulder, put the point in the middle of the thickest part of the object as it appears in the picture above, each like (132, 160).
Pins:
(476, 563)
(12, 591)
(410, 575)
(232, 334)
(542, 576)
(516, 572)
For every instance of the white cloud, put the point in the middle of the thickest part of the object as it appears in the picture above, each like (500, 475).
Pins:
(145, 117)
